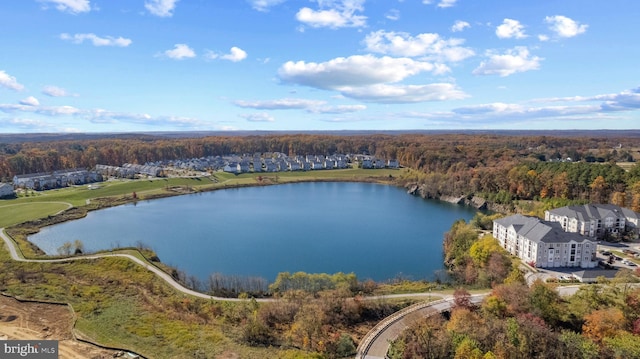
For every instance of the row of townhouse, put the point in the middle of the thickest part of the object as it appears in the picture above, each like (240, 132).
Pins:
(6, 190)
(544, 244)
(257, 162)
(595, 220)
(56, 179)
(279, 162)
(129, 170)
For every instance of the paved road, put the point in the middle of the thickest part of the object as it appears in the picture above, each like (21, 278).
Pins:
(376, 343)
(11, 246)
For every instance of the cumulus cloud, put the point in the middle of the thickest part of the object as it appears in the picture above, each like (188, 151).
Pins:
(264, 5)
(258, 117)
(70, 6)
(334, 14)
(513, 61)
(30, 101)
(460, 25)
(357, 70)
(510, 29)
(563, 26)
(55, 91)
(235, 54)
(179, 52)
(429, 45)
(162, 8)
(383, 93)
(96, 40)
(10, 82)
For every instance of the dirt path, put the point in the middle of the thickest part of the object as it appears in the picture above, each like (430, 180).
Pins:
(38, 321)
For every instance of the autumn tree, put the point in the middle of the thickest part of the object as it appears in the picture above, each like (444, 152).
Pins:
(603, 323)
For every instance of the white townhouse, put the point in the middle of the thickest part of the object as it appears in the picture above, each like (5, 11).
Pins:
(594, 220)
(544, 244)
(6, 190)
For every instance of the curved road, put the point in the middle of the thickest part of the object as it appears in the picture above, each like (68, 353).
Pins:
(11, 246)
(375, 344)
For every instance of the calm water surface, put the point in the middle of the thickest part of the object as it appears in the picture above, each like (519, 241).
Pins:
(375, 231)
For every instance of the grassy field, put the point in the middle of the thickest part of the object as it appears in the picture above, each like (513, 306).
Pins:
(14, 213)
(42, 204)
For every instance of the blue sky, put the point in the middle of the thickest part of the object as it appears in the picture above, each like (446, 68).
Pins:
(211, 65)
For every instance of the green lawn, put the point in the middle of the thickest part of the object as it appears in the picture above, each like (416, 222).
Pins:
(14, 213)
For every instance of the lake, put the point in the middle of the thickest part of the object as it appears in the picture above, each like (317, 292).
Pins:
(378, 232)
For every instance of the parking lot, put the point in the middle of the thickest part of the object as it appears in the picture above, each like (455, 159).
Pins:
(610, 256)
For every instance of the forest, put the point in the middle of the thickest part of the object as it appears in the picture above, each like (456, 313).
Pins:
(499, 168)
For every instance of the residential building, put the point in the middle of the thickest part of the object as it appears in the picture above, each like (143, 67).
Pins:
(6, 190)
(57, 179)
(594, 220)
(544, 244)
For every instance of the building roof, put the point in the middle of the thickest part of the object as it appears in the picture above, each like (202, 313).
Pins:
(539, 231)
(587, 212)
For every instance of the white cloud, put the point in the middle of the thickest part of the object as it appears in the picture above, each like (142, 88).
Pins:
(564, 26)
(510, 29)
(625, 100)
(30, 101)
(162, 8)
(258, 117)
(70, 6)
(383, 93)
(393, 15)
(515, 60)
(430, 45)
(102, 116)
(43, 110)
(10, 82)
(55, 91)
(96, 40)
(337, 109)
(543, 37)
(264, 5)
(334, 14)
(357, 70)
(236, 54)
(24, 124)
(446, 3)
(442, 3)
(280, 104)
(311, 106)
(460, 25)
(179, 52)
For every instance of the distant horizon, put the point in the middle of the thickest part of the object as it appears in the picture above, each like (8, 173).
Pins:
(34, 137)
(129, 66)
